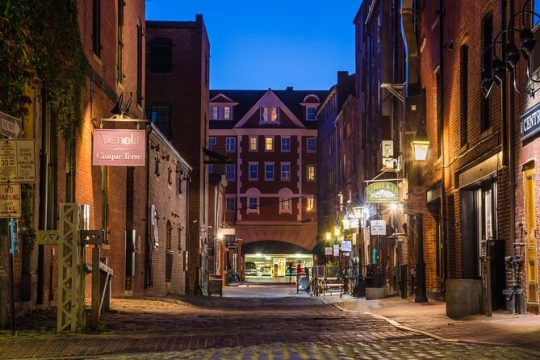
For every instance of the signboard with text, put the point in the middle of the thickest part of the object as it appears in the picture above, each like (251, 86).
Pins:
(346, 246)
(10, 201)
(380, 192)
(327, 251)
(114, 147)
(378, 227)
(10, 126)
(336, 250)
(530, 123)
(17, 161)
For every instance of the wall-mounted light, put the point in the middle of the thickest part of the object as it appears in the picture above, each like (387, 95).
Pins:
(328, 236)
(420, 143)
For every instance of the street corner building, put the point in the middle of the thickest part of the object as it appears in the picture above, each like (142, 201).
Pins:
(271, 138)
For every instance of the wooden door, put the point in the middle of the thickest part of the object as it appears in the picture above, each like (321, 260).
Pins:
(531, 259)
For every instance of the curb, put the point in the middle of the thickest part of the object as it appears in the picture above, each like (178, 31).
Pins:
(440, 338)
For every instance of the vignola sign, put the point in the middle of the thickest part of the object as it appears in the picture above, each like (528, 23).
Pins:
(530, 123)
(384, 191)
(119, 147)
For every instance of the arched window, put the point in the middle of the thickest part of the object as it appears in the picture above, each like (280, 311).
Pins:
(285, 201)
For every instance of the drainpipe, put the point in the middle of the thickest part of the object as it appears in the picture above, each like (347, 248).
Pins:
(443, 212)
(43, 181)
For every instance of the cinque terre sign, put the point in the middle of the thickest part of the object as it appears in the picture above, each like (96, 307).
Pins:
(380, 192)
(530, 123)
(114, 147)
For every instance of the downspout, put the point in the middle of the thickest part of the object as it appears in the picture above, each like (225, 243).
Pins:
(43, 185)
(444, 224)
(148, 230)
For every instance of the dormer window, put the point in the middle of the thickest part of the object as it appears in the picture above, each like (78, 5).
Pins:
(269, 115)
(220, 112)
(311, 113)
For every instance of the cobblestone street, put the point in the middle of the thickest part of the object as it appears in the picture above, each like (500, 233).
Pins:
(269, 322)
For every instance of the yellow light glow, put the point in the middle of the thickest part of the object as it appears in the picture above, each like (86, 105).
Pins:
(420, 149)
(328, 236)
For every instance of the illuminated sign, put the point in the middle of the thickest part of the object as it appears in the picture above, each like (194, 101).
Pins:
(384, 191)
(119, 147)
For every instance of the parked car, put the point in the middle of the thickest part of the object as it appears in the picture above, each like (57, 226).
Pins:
(265, 271)
(251, 269)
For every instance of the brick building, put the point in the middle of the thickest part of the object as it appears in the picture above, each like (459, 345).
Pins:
(177, 79)
(271, 136)
(165, 255)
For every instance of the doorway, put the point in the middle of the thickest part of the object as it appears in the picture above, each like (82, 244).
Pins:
(531, 263)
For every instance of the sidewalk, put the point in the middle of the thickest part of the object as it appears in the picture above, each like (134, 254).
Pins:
(502, 328)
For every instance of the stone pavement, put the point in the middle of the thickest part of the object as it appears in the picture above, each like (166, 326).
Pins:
(430, 317)
(255, 322)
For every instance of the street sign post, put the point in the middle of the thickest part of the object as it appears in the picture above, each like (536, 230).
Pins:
(17, 161)
(10, 201)
(10, 126)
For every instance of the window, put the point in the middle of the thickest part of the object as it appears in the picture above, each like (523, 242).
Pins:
(253, 146)
(96, 27)
(230, 144)
(253, 203)
(311, 144)
(285, 205)
(226, 113)
(463, 84)
(161, 56)
(160, 114)
(269, 143)
(285, 171)
(214, 113)
(119, 45)
(311, 172)
(253, 171)
(231, 203)
(230, 172)
(169, 175)
(211, 168)
(179, 176)
(487, 55)
(310, 203)
(139, 61)
(269, 171)
(285, 144)
(211, 143)
(270, 114)
(311, 113)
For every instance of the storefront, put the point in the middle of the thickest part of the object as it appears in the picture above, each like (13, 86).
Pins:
(274, 261)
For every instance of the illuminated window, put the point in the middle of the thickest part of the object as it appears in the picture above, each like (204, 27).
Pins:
(270, 114)
(310, 203)
(285, 205)
(269, 143)
(214, 113)
(226, 113)
(253, 143)
(285, 201)
(311, 172)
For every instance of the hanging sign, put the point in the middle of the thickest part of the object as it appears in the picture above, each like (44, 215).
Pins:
(17, 161)
(378, 227)
(114, 147)
(336, 250)
(346, 246)
(10, 126)
(10, 200)
(530, 123)
(327, 251)
(380, 192)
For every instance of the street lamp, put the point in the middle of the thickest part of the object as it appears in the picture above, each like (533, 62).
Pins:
(420, 143)
(337, 228)
(328, 236)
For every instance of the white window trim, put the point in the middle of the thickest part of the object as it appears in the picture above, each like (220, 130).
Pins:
(227, 173)
(311, 107)
(230, 112)
(249, 171)
(261, 111)
(307, 141)
(285, 137)
(256, 142)
(210, 145)
(281, 171)
(227, 144)
(212, 107)
(253, 211)
(273, 143)
(273, 171)
(282, 201)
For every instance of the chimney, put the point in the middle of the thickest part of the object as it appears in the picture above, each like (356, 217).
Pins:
(342, 77)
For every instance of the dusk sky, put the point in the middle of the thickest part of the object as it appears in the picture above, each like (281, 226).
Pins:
(278, 43)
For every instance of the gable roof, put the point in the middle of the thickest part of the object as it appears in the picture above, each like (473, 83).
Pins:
(246, 99)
